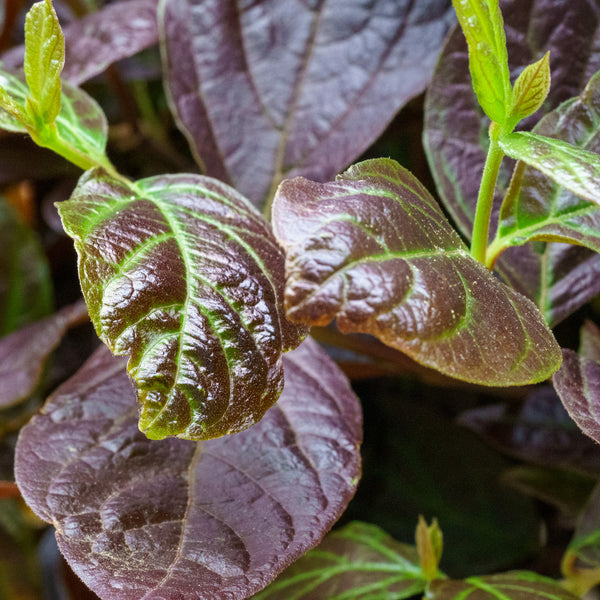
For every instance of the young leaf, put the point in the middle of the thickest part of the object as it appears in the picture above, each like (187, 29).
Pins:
(183, 276)
(530, 90)
(536, 207)
(44, 60)
(357, 562)
(429, 540)
(163, 519)
(573, 168)
(483, 26)
(375, 252)
(25, 283)
(270, 89)
(517, 585)
(24, 352)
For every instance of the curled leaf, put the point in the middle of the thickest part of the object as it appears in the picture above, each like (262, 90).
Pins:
(171, 519)
(181, 274)
(374, 251)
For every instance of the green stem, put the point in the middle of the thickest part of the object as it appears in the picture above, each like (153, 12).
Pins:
(485, 199)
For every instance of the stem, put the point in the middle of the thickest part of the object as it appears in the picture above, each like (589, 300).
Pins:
(485, 199)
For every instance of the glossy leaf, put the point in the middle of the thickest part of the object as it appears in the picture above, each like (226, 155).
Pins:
(517, 585)
(578, 385)
(530, 90)
(537, 430)
(24, 352)
(138, 518)
(25, 283)
(374, 251)
(559, 278)
(114, 32)
(359, 561)
(483, 26)
(270, 89)
(572, 168)
(44, 60)
(541, 210)
(183, 276)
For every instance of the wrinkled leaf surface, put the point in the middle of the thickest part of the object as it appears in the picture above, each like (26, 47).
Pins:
(356, 562)
(374, 251)
(24, 352)
(176, 520)
(270, 89)
(183, 276)
(558, 278)
(517, 585)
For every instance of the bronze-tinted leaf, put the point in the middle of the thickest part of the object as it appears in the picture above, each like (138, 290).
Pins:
(176, 520)
(356, 562)
(24, 352)
(374, 251)
(517, 585)
(559, 278)
(181, 274)
(269, 89)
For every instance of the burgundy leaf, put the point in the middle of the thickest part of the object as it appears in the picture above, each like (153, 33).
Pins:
(182, 274)
(456, 134)
(117, 31)
(271, 89)
(374, 251)
(24, 352)
(176, 520)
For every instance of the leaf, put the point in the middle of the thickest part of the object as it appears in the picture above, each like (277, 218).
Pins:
(559, 278)
(268, 89)
(538, 431)
(359, 561)
(81, 123)
(24, 352)
(516, 585)
(374, 251)
(173, 519)
(44, 60)
(589, 343)
(181, 274)
(574, 169)
(483, 27)
(25, 284)
(530, 90)
(537, 208)
(584, 548)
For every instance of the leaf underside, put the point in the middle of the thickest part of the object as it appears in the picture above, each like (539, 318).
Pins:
(374, 251)
(559, 278)
(171, 519)
(181, 274)
(359, 561)
(270, 89)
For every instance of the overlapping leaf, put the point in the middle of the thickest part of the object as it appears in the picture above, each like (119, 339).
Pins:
(357, 562)
(117, 31)
(558, 278)
(24, 352)
(518, 585)
(374, 251)
(272, 89)
(171, 519)
(541, 210)
(578, 385)
(181, 274)
(25, 284)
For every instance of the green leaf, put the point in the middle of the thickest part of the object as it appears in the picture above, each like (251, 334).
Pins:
(359, 561)
(430, 543)
(374, 251)
(181, 274)
(483, 26)
(517, 585)
(530, 90)
(44, 61)
(81, 128)
(573, 168)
